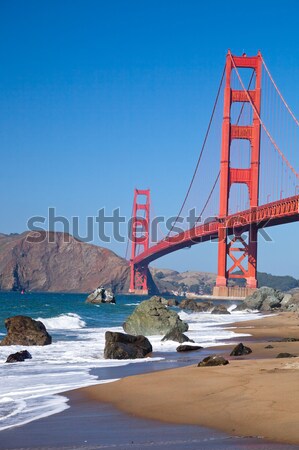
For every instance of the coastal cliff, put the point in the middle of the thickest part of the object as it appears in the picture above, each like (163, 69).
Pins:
(59, 263)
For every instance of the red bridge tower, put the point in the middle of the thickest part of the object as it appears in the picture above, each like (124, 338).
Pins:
(140, 237)
(239, 250)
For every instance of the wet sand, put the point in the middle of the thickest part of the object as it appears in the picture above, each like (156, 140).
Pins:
(252, 396)
(88, 425)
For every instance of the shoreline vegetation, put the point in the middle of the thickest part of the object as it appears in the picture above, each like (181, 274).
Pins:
(254, 395)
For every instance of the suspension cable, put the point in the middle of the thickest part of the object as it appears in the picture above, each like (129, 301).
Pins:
(201, 152)
(279, 93)
(209, 197)
(218, 175)
(262, 123)
(129, 233)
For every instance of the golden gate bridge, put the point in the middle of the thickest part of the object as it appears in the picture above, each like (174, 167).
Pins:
(256, 185)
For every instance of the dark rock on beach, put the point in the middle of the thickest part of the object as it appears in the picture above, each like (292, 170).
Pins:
(101, 295)
(153, 317)
(126, 346)
(241, 350)
(288, 339)
(18, 357)
(188, 348)
(269, 346)
(220, 309)
(177, 336)
(285, 355)
(213, 360)
(22, 330)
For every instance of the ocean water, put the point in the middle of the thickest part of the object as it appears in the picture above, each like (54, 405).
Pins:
(33, 389)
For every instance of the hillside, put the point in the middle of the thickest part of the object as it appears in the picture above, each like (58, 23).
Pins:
(168, 281)
(64, 265)
(281, 282)
(203, 282)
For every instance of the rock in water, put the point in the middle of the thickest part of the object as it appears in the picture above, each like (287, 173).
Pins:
(220, 309)
(192, 305)
(152, 317)
(101, 295)
(22, 330)
(18, 357)
(177, 336)
(126, 346)
(240, 350)
(213, 360)
(188, 348)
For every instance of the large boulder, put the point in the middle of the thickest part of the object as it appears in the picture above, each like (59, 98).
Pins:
(286, 299)
(18, 356)
(270, 302)
(220, 309)
(177, 336)
(263, 299)
(153, 317)
(22, 330)
(213, 360)
(290, 302)
(126, 346)
(101, 295)
(190, 304)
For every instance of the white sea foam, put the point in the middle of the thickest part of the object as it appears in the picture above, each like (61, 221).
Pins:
(68, 321)
(31, 388)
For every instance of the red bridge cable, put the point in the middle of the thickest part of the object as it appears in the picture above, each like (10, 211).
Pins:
(279, 93)
(217, 178)
(201, 152)
(262, 123)
(130, 236)
(209, 197)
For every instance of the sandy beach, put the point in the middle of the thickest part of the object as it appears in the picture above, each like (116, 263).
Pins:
(255, 395)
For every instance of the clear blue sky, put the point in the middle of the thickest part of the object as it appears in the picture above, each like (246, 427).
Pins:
(97, 98)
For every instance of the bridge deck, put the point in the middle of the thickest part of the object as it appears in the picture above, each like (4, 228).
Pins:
(271, 214)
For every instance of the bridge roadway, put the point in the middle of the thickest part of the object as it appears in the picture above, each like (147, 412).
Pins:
(275, 213)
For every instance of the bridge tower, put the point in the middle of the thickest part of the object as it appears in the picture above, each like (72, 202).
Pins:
(140, 237)
(240, 249)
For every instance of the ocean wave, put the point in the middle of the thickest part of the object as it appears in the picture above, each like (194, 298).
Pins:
(70, 321)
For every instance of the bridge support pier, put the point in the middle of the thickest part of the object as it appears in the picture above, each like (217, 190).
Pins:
(232, 291)
(138, 279)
